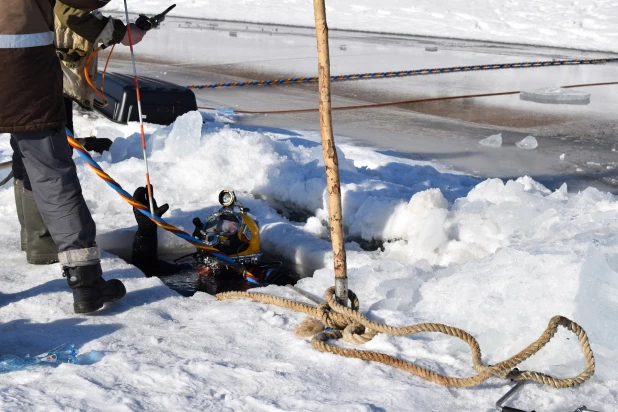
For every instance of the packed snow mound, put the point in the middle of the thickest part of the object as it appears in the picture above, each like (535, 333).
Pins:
(495, 258)
(280, 170)
(597, 307)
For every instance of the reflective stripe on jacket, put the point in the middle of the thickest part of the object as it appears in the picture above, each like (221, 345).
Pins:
(17, 41)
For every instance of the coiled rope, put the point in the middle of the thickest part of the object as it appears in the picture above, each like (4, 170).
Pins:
(407, 73)
(156, 219)
(353, 327)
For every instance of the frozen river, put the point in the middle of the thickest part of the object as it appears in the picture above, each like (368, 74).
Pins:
(198, 52)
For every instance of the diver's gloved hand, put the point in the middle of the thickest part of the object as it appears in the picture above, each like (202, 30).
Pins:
(145, 226)
(92, 144)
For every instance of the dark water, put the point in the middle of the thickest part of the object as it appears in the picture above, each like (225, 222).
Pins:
(189, 282)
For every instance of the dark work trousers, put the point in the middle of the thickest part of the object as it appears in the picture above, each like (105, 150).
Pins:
(19, 170)
(44, 159)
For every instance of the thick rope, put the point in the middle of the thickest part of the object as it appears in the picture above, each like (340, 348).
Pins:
(353, 327)
(407, 73)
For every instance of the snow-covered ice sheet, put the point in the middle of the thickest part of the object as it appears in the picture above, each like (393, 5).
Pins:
(587, 25)
(498, 259)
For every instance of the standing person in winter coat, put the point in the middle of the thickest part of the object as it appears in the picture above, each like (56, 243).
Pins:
(77, 33)
(32, 111)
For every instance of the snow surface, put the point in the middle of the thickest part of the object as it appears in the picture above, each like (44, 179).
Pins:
(498, 259)
(495, 258)
(587, 25)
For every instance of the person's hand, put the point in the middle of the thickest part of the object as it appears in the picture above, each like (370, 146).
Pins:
(144, 224)
(92, 144)
(137, 35)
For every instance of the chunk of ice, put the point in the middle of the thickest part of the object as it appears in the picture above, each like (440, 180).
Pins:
(186, 134)
(528, 143)
(597, 308)
(492, 141)
(555, 95)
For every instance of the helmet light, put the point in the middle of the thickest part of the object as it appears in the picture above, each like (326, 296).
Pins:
(227, 198)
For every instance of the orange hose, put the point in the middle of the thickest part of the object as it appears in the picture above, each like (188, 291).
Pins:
(92, 86)
(105, 68)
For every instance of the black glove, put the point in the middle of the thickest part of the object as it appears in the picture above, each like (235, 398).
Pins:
(92, 144)
(119, 31)
(144, 22)
(146, 226)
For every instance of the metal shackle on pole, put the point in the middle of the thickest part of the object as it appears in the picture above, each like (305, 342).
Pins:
(331, 162)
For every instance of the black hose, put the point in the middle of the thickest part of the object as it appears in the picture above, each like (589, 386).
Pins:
(6, 179)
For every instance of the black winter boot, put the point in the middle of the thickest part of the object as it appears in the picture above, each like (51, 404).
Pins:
(90, 290)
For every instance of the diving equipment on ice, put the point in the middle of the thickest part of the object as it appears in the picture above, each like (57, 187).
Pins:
(231, 230)
(237, 234)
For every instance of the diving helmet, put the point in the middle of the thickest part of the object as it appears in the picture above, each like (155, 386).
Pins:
(231, 230)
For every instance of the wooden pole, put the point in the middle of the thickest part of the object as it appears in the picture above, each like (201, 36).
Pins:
(331, 162)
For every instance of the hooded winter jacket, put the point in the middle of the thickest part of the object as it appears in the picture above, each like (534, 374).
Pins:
(30, 75)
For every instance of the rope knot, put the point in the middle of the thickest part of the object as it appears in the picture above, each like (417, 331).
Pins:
(336, 317)
(514, 375)
(347, 323)
(332, 319)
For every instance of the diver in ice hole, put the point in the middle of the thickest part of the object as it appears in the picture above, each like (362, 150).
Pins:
(231, 230)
